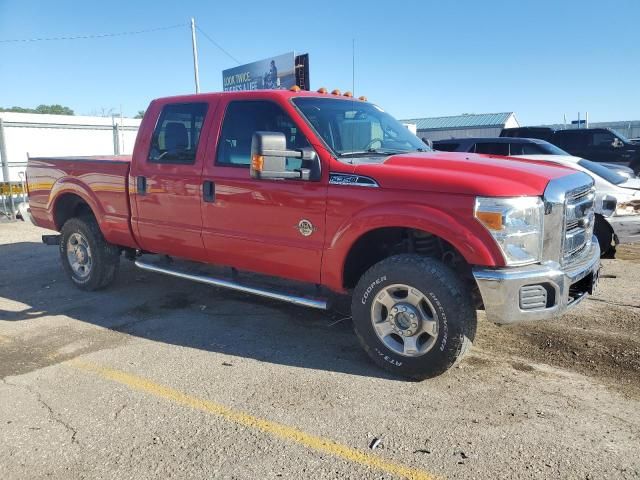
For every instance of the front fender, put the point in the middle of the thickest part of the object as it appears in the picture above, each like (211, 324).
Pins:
(462, 231)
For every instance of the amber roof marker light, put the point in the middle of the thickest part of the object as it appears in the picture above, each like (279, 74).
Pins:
(362, 98)
(335, 92)
(295, 88)
(348, 94)
(322, 90)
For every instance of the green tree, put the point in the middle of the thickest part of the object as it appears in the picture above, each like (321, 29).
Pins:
(16, 109)
(54, 109)
(50, 109)
(140, 114)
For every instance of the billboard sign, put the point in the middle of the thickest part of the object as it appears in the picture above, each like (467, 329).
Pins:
(302, 71)
(270, 73)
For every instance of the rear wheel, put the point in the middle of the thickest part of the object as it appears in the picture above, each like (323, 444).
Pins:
(89, 260)
(413, 316)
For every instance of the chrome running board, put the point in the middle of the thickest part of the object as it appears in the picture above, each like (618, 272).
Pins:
(218, 282)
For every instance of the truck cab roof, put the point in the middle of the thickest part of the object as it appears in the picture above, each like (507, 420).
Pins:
(248, 94)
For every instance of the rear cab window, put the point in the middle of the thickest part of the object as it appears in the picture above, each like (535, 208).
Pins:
(245, 117)
(177, 134)
(446, 146)
(525, 149)
(570, 140)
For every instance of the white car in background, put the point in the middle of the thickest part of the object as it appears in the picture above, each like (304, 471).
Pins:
(617, 196)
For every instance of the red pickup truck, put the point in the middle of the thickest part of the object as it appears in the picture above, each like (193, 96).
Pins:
(329, 192)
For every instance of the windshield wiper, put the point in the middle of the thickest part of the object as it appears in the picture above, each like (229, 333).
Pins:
(381, 151)
(362, 153)
(388, 151)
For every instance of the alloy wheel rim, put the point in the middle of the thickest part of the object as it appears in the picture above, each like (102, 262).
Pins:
(404, 320)
(79, 255)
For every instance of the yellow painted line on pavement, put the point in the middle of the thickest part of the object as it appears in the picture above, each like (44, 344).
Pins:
(279, 430)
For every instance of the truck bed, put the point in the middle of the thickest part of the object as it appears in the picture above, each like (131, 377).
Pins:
(102, 180)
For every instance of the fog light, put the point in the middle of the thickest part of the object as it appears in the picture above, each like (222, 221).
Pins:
(533, 297)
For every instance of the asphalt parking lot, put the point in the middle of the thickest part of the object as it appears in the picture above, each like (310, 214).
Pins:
(157, 377)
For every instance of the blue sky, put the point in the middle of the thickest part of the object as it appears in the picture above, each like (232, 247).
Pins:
(540, 58)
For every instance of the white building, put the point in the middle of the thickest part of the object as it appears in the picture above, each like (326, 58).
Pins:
(54, 135)
(467, 125)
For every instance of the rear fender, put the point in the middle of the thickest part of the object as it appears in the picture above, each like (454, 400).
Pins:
(74, 186)
(115, 225)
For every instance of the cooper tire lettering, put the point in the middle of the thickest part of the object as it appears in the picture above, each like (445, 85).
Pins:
(370, 288)
(387, 358)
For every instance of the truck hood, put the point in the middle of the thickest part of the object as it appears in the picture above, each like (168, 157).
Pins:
(463, 173)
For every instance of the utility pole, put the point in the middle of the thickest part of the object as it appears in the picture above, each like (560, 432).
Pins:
(195, 55)
(5, 171)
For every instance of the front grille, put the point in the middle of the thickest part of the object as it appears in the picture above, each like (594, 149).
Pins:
(579, 220)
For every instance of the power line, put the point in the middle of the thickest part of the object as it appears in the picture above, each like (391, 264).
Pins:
(218, 45)
(100, 35)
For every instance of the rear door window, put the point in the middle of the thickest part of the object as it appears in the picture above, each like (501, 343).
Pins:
(492, 148)
(177, 133)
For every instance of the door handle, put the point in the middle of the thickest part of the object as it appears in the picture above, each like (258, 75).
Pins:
(141, 185)
(208, 191)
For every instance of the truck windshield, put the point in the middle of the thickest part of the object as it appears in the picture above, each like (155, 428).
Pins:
(550, 149)
(606, 173)
(620, 136)
(351, 128)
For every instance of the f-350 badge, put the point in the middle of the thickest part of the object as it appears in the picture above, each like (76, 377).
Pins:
(305, 227)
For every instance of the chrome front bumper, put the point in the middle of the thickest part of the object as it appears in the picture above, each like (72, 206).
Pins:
(566, 287)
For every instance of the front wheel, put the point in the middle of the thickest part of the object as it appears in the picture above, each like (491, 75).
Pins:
(413, 316)
(604, 233)
(89, 260)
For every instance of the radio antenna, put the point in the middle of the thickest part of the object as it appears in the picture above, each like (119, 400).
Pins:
(353, 66)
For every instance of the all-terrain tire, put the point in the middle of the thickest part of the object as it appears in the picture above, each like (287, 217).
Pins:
(105, 257)
(450, 300)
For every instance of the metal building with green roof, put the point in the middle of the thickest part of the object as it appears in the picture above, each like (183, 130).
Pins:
(465, 125)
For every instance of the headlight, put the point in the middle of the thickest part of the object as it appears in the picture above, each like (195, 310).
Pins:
(515, 224)
(609, 204)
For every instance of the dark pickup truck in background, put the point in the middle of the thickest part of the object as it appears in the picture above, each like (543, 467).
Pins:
(595, 144)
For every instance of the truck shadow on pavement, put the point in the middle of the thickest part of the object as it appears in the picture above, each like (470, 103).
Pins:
(178, 312)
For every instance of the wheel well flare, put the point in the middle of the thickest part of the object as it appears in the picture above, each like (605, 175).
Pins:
(378, 244)
(70, 205)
